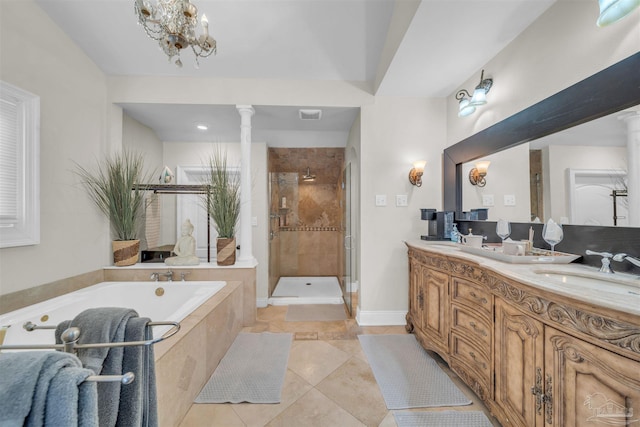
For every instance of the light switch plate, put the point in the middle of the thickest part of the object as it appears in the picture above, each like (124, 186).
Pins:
(401, 200)
(254, 221)
(381, 200)
(509, 200)
(487, 200)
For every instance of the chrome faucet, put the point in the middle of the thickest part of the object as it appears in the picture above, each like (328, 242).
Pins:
(606, 260)
(625, 257)
(155, 276)
(168, 275)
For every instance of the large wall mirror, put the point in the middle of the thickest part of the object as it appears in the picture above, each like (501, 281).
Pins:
(580, 142)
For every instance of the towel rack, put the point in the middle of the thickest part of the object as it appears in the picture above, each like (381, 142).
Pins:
(69, 345)
(71, 335)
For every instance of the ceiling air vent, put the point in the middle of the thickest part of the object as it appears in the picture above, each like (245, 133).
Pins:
(310, 114)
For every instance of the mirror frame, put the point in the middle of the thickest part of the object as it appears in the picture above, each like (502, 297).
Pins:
(612, 89)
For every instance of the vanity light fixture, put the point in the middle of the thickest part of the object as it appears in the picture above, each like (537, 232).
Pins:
(613, 10)
(467, 103)
(477, 174)
(415, 174)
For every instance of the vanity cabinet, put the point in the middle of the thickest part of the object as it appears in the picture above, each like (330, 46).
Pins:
(428, 316)
(535, 358)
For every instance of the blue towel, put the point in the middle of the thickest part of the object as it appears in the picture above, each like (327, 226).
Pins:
(45, 388)
(118, 405)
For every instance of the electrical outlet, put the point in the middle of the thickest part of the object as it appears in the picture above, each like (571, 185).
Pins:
(254, 221)
(381, 200)
(509, 200)
(401, 200)
(487, 200)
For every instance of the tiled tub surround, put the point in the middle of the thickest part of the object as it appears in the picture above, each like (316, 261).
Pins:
(185, 361)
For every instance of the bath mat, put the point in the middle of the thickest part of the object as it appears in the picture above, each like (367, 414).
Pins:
(442, 419)
(408, 377)
(315, 313)
(251, 371)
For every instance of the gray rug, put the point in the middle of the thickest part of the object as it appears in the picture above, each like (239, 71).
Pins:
(442, 419)
(408, 377)
(315, 313)
(251, 371)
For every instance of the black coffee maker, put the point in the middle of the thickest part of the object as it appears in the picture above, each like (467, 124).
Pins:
(439, 224)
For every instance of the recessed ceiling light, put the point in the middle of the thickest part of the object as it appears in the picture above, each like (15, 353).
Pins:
(202, 127)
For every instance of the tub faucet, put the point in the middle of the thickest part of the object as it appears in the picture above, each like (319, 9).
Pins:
(623, 257)
(606, 260)
(155, 276)
(168, 275)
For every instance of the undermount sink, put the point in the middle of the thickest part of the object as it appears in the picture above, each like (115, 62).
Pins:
(594, 281)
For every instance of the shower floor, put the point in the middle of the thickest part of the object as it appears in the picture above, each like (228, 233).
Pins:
(307, 290)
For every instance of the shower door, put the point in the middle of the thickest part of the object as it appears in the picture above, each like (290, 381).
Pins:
(348, 240)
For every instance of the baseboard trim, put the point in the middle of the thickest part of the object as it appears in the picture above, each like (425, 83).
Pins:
(381, 317)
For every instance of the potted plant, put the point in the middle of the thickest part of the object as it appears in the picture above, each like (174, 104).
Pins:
(223, 205)
(112, 187)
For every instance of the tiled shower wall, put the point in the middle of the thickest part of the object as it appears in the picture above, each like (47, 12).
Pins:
(307, 223)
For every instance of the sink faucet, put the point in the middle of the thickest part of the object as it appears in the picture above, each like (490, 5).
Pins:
(606, 260)
(623, 257)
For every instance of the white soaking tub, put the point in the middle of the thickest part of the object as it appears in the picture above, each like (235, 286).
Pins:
(159, 301)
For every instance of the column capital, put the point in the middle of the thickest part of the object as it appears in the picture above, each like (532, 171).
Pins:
(245, 109)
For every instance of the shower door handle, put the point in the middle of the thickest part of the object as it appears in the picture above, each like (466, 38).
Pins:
(347, 242)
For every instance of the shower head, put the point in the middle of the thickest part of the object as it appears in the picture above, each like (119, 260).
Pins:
(308, 177)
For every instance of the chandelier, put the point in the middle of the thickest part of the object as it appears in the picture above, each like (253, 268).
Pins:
(173, 24)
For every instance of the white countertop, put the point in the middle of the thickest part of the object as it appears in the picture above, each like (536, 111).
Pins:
(619, 291)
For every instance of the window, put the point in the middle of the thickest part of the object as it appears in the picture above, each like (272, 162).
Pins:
(19, 167)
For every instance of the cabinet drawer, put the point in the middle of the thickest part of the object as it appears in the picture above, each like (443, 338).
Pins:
(472, 356)
(468, 324)
(472, 295)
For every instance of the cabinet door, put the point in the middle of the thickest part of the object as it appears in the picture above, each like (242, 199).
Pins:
(588, 385)
(416, 293)
(519, 366)
(435, 317)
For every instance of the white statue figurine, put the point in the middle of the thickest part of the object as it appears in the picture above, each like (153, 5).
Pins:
(185, 248)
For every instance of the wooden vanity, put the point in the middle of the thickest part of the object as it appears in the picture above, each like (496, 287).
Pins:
(534, 355)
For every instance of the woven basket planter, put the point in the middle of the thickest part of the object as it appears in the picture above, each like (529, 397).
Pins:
(125, 252)
(226, 251)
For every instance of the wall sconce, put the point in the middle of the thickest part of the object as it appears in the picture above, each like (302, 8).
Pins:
(468, 103)
(477, 174)
(415, 174)
(614, 10)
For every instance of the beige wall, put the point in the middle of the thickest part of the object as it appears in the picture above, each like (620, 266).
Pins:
(561, 48)
(38, 57)
(508, 174)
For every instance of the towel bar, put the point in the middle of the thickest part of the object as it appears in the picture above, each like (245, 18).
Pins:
(124, 379)
(70, 337)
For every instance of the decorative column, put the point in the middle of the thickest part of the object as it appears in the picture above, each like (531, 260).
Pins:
(632, 120)
(246, 241)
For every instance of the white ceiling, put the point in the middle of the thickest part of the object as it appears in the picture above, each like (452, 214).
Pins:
(446, 42)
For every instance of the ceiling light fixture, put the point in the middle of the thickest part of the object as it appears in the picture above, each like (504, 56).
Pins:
(467, 103)
(173, 24)
(202, 127)
(614, 10)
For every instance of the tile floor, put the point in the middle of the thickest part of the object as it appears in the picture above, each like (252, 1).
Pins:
(328, 381)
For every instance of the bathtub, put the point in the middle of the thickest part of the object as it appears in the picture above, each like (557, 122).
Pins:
(210, 315)
(159, 301)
